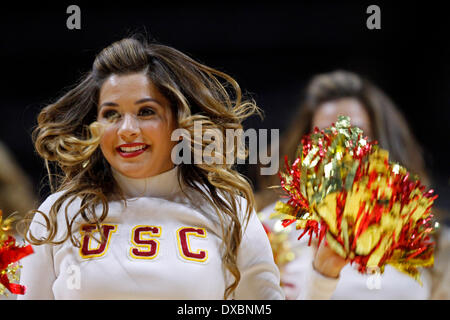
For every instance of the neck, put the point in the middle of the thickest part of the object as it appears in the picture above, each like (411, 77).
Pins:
(161, 185)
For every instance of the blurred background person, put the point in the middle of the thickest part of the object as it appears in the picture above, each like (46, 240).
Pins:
(328, 96)
(16, 191)
(17, 195)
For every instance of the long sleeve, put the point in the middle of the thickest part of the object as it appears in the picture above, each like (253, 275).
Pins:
(301, 281)
(315, 286)
(37, 273)
(260, 277)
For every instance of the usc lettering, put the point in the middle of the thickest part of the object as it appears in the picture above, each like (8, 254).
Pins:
(144, 246)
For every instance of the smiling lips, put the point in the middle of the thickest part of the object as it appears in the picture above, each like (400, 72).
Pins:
(131, 150)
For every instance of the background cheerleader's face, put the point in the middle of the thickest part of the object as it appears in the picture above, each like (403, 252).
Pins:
(139, 122)
(329, 111)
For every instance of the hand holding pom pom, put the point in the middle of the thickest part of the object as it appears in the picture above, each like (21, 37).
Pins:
(327, 262)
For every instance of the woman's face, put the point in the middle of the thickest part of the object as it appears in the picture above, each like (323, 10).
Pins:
(329, 111)
(136, 141)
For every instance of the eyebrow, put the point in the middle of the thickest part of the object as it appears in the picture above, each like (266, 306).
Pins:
(113, 104)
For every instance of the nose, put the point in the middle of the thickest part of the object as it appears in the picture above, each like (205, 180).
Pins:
(129, 128)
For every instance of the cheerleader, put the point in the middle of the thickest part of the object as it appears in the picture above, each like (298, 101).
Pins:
(123, 221)
(328, 96)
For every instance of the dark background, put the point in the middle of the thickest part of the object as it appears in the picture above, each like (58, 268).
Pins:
(272, 49)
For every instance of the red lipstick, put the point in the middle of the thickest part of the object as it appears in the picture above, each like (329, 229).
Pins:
(131, 150)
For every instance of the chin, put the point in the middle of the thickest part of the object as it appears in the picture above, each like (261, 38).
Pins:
(130, 172)
(132, 175)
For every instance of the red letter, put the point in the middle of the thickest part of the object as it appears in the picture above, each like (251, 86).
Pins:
(147, 249)
(85, 250)
(184, 247)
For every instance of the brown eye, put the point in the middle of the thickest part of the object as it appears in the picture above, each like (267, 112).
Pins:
(146, 112)
(110, 114)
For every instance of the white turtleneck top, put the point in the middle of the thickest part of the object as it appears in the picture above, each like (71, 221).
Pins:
(160, 245)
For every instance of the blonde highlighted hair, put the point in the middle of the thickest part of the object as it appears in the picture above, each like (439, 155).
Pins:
(67, 138)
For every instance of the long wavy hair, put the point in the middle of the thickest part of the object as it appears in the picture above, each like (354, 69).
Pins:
(389, 126)
(67, 138)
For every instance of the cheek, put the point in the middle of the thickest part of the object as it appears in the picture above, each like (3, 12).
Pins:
(157, 133)
(107, 142)
(159, 136)
(368, 132)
